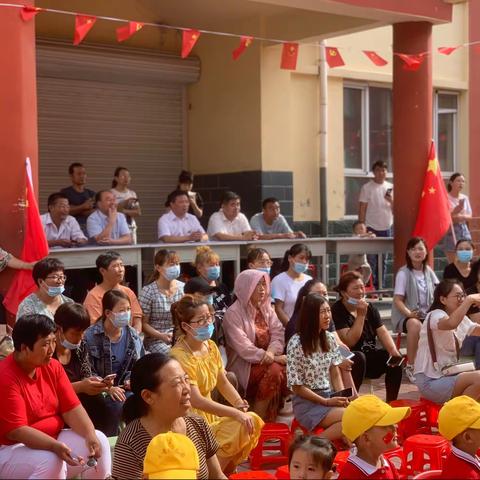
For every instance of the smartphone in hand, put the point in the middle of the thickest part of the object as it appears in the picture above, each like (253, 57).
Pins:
(346, 392)
(109, 378)
(395, 361)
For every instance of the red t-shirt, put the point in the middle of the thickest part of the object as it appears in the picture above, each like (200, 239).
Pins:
(34, 402)
(355, 468)
(461, 465)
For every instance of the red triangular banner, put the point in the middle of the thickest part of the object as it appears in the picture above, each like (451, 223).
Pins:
(29, 12)
(411, 62)
(189, 39)
(333, 57)
(375, 58)
(447, 50)
(83, 24)
(245, 42)
(289, 56)
(125, 32)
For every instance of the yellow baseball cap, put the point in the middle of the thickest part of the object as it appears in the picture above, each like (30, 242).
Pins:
(457, 415)
(171, 455)
(369, 411)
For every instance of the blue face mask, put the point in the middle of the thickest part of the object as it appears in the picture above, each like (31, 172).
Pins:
(352, 301)
(70, 346)
(300, 267)
(213, 273)
(172, 272)
(464, 256)
(121, 319)
(264, 269)
(54, 291)
(204, 333)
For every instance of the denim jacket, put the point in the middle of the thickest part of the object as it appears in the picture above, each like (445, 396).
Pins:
(98, 345)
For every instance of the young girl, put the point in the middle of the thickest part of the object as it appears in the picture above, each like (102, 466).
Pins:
(312, 457)
(462, 268)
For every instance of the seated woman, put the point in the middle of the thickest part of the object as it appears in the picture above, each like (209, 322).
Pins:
(461, 268)
(157, 298)
(412, 297)
(259, 259)
(254, 338)
(313, 358)
(159, 403)
(36, 400)
(49, 275)
(236, 431)
(113, 348)
(72, 320)
(448, 325)
(358, 325)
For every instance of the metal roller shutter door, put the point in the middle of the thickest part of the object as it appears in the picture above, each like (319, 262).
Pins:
(112, 107)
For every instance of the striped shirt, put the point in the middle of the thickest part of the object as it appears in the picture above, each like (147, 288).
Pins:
(133, 441)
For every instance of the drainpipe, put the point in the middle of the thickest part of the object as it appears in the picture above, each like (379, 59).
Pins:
(323, 117)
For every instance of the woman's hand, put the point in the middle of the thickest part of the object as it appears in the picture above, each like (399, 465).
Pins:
(336, 402)
(268, 358)
(246, 420)
(281, 359)
(92, 386)
(362, 307)
(93, 445)
(165, 337)
(474, 299)
(65, 453)
(346, 365)
(242, 405)
(117, 394)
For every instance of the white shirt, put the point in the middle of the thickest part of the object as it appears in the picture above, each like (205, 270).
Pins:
(69, 229)
(444, 344)
(420, 280)
(379, 214)
(171, 225)
(219, 223)
(285, 288)
(454, 202)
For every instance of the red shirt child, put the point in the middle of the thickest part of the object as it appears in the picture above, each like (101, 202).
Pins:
(355, 468)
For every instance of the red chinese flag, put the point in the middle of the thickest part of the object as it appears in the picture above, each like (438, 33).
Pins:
(333, 57)
(289, 56)
(35, 247)
(446, 50)
(83, 24)
(433, 219)
(189, 39)
(125, 32)
(245, 42)
(375, 58)
(411, 62)
(29, 12)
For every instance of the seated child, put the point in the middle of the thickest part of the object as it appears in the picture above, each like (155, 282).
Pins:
(370, 424)
(459, 422)
(358, 261)
(311, 456)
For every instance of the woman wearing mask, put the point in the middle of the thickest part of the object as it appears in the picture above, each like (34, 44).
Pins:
(462, 269)
(113, 348)
(259, 259)
(236, 431)
(414, 286)
(49, 276)
(156, 300)
(286, 285)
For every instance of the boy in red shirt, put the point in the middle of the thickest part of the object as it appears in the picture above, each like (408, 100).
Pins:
(459, 422)
(370, 424)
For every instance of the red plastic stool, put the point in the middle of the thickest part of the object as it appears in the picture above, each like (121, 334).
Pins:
(295, 427)
(252, 475)
(341, 459)
(424, 452)
(282, 473)
(271, 431)
(431, 409)
(395, 456)
(416, 423)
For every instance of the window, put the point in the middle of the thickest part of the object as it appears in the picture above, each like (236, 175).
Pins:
(445, 130)
(367, 130)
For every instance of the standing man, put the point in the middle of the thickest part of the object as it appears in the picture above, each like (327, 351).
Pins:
(80, 198)
(376, 208)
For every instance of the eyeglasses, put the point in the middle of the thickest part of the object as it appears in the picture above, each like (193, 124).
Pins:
(458, 296)
(203, 320)
(265, 263)
(57, 278)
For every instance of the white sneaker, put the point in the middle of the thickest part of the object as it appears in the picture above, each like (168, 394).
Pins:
(409, 372)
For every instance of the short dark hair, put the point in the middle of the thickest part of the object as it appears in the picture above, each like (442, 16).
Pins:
(72, 315)
(98, 195)
(29, 328)
(54, 197)
(116, 173)
(256, 253)
(379, 164)
(172, 196)
(321, 449)
(43, 268)
(452, 179)
(228, 196)
(410, 244)
(185, 177)
(105, 259)
(465, 240)
(346, 279)
(73, 166)
(269, 200)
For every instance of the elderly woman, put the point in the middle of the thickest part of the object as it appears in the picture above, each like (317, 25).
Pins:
(49, 275)
(255, 343)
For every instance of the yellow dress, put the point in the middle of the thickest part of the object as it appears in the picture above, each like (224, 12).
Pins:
(235, 443)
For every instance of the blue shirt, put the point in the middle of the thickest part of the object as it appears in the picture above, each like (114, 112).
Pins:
(279, 225)
(97, 222)
(119, 349)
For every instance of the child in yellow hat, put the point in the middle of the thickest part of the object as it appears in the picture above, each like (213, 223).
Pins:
(459, 422)
(370, 424)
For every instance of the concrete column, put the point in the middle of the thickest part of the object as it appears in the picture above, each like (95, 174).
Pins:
(412, 128)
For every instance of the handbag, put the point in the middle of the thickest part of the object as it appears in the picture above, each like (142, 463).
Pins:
(454, 368)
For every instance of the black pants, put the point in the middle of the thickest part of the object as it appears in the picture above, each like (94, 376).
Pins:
(104, 413)
(373, 364)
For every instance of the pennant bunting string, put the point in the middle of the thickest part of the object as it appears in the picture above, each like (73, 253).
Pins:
(83, 24)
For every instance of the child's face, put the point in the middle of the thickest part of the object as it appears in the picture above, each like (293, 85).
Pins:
(383, 439)
(360, 229)
(302, 466)
(469, 441)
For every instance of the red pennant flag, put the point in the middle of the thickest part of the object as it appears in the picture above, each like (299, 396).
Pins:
(447, 50)
(189, 39)
(29, 12)
(245, 42)
(375, 58)
(433, 219)
(411, 62)
(35, 247)
(125, 32)
(334, 59)
(83, 24)
(289, 56)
